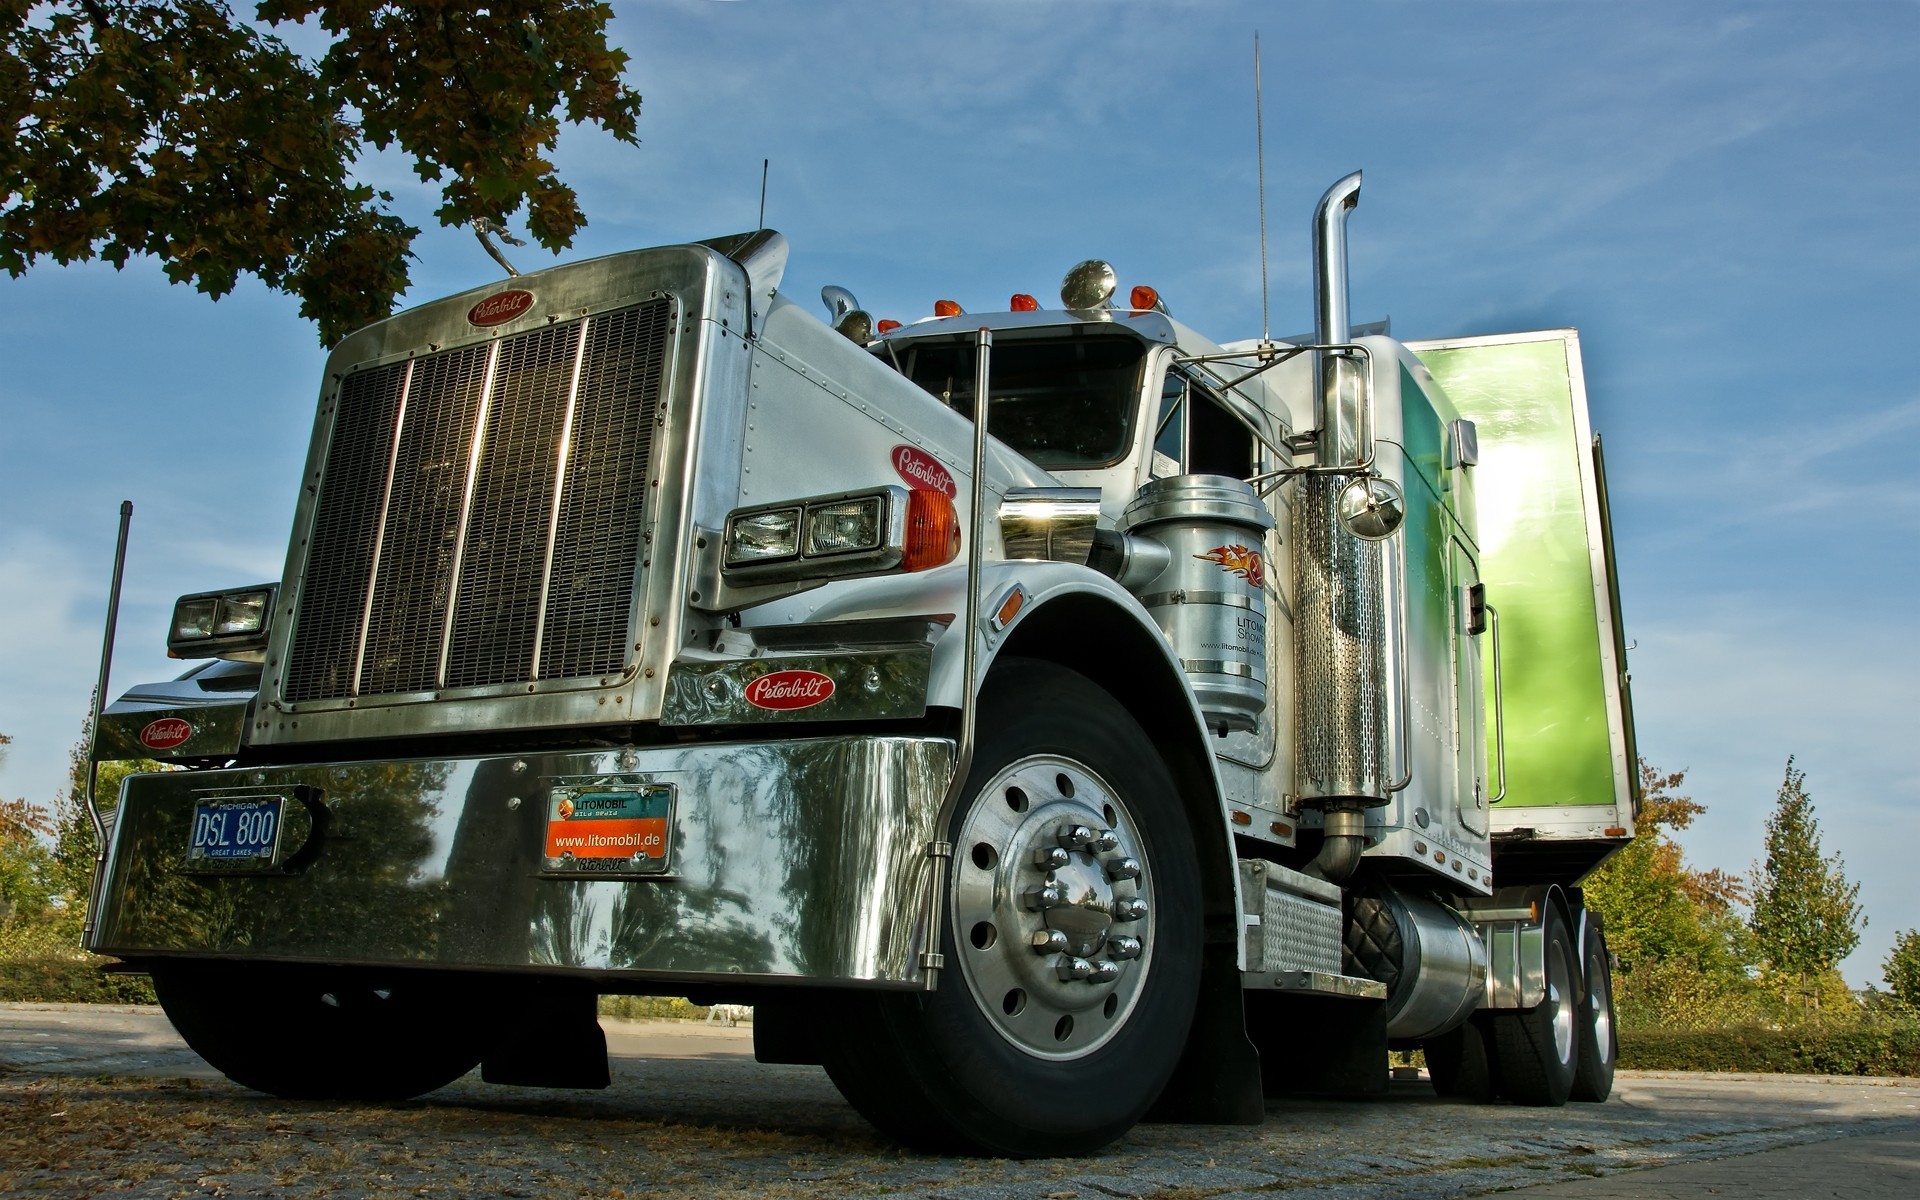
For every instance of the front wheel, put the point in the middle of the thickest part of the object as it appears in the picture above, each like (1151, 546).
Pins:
(1071, 940)
(312, 1034)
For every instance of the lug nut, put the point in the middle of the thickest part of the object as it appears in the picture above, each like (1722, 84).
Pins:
(1129, 910)
(1123, 868)
(1073, 837)
(1105, 842)
(1104, 972)
(1048, 941)
(1051, 858)
(1044, 896)
(1075, 968)
(1123, 947)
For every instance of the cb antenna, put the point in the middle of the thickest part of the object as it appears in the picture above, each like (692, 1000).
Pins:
(1260, 158)
(763, 194)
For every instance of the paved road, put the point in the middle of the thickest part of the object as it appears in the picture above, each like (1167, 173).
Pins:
(108, 1102)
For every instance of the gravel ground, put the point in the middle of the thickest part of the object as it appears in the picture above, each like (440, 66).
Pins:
(108, 1103)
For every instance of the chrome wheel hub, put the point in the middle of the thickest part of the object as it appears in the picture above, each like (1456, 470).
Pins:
(1052, 906)
(1560, 1000)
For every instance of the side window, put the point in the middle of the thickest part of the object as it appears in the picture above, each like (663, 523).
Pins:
(1197, 433)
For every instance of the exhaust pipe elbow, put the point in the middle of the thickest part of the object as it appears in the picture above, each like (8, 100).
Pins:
(1331, 325)
(1345, 832)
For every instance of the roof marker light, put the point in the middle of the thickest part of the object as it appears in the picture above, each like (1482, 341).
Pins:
(887, 326)
(1145, 299)
(1022, 302)
(947, 308)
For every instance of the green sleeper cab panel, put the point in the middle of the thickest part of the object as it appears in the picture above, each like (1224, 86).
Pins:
(1538, 567)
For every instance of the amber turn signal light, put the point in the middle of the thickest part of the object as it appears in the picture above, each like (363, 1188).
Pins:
(1022, 302)
(947, 308)
(933, 531)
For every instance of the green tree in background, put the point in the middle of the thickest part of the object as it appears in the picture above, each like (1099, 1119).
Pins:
(1806, 916)
(1902, 968)
(25, 887)
(1683, 951)
(46, 875)
(174, 129)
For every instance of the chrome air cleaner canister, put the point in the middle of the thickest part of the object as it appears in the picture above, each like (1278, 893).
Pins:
(1211, 599)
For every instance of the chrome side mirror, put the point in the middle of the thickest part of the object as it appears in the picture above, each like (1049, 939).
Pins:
(1372, 508)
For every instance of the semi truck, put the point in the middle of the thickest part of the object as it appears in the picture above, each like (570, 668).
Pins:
(1045, 719)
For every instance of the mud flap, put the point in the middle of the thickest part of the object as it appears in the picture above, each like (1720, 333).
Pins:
(786, 1028)
(1319, 1045)
(553, 1041)
(1218, 1079)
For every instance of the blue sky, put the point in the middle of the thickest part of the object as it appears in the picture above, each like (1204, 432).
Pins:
(1724, 199)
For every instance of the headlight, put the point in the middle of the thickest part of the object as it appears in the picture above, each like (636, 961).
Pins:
(838, 536)
(845, 527)
(763, 536)
(245, 612)
(193, 618)
(231, 624)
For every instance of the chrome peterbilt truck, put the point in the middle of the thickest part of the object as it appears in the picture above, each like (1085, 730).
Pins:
(1045, 719)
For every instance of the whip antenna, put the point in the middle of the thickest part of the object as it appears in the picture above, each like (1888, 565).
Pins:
(763, 194)
(1260, 158)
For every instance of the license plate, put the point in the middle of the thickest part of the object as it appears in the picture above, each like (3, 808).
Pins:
(610, 829)
(237, 830)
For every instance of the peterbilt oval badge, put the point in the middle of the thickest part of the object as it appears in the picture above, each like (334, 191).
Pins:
(782, 690)
(165, 734)
(500, 308)
(922, 470)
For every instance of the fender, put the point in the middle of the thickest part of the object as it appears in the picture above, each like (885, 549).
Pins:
(1082, 620)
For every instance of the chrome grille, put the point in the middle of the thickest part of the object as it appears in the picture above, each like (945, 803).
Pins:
(480, 512)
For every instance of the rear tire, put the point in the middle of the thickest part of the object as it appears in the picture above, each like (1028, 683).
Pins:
(1011, 1056)
(1599, 1041)
(312, 1034)
(1536, 1050)
(1459, 1063)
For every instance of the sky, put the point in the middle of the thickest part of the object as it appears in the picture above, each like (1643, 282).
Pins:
(1723, 198)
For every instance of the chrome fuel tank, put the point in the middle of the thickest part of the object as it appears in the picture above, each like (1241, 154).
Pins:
(1211, 600)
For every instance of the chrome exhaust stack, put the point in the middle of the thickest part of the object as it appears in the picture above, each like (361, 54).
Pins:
(1331, 323)
(1341, 628)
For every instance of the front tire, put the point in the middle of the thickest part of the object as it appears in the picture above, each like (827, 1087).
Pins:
(311, 1034)
(1071, 940)
(1536, 1050)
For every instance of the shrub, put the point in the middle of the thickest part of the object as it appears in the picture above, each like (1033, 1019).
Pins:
(1868, 1048)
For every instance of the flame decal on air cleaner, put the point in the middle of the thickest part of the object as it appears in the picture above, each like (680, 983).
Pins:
(165, 734)
(500, 308)
(923, 471)
(1238, 560)
(782, 690)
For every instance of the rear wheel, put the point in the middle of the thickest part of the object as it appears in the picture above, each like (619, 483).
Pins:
(314, 1034)
(1599, 1044)
(1071, 940)
(1536, 1049)
(1459, 1064)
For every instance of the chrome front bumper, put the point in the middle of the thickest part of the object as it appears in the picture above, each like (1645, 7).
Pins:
(793, 861)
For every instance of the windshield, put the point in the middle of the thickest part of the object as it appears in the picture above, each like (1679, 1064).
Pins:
(1065, 402)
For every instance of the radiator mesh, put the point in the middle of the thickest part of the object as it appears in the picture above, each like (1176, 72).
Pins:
(404, 441)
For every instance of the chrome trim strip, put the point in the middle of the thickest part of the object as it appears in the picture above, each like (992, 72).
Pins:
(1226, 599)
(380, 526)
(1215, 666)
(474, 450)
(560, 460)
